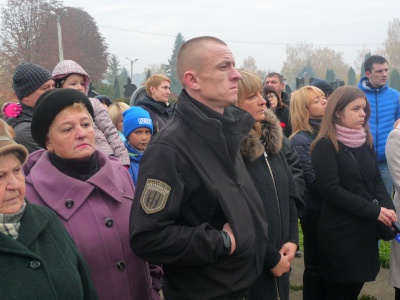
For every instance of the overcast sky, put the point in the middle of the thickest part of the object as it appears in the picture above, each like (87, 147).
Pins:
(146, 29)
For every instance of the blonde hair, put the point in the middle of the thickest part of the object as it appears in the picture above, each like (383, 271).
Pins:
(155, 81)
(299, 113)
(115, 111)
(249, 84)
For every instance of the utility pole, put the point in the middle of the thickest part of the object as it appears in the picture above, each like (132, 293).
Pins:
(60, 46)
(132, 61)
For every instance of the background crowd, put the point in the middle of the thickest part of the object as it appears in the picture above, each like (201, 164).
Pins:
(200, 199)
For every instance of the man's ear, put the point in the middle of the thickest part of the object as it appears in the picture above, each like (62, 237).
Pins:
(367, 73)
(191, 80)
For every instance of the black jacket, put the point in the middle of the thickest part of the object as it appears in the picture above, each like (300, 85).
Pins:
(272, 177)
(348, 233)
(193, 176)
(301, 142)
(159, 112)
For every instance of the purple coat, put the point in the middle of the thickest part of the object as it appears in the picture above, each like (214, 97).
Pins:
(96, 215)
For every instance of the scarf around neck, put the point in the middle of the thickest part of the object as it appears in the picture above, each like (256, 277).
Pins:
(10, 223)
(352, 138)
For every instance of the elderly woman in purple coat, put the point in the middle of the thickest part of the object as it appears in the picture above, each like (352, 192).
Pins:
(90, 192)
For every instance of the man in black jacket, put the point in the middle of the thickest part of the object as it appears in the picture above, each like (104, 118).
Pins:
(276, 80)
(29, 82)
(196, 210)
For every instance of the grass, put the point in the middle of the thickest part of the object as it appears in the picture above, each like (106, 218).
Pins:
(367, 297)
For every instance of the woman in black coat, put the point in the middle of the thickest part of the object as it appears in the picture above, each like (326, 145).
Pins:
(355, 201)
(271, 175)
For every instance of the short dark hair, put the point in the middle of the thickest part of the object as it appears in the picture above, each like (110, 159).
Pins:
(272, 74)
(374, 59)
(104, 99)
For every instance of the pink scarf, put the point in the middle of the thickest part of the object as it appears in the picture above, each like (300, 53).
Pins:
(352, 138)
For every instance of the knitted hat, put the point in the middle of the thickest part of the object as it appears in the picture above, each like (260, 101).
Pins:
(49, 105)
(323, 85)
(136, 117)
(28, 77)
(8, 145)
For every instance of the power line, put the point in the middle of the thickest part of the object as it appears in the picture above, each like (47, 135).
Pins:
(250, 42)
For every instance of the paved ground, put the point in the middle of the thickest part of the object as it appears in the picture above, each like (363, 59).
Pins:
(379, 288)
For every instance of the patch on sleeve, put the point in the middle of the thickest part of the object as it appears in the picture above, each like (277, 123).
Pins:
(154, 196)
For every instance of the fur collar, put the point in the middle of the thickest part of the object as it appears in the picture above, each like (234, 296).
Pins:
(270, 141)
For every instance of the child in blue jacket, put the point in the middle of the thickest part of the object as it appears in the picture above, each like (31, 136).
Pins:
(138, 129)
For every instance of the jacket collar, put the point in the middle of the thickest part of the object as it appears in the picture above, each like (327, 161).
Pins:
(270, 141)
(208, 123)
(364, 83)
(33, 223)
(54, 187)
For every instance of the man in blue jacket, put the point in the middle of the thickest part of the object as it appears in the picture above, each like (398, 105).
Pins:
(385, 108)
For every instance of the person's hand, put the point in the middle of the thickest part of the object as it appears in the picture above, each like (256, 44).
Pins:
(396, 123)
(288, 250)
(387, 216)
(281, 268)
(12, 110)
(227, 228)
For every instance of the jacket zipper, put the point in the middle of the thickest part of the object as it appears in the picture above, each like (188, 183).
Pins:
(377, 128)
(276, 194)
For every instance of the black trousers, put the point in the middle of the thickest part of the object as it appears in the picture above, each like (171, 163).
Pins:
(342, 291)
(312, 280)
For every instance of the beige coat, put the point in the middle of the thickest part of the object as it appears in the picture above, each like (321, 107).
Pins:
(393, 160)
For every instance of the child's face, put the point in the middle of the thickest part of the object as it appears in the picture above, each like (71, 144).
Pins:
(140, 138)
(120, 123)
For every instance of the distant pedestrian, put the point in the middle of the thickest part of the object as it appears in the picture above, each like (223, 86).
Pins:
(385, 109)
(158, 89)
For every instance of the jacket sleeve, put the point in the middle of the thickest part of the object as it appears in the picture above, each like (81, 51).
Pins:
(324, 160)
(393, 157)
(103, 122)
(156, 274)
(302, 147)
(158, 237)
(292, 158)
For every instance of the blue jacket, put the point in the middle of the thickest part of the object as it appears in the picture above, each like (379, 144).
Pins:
(135, 156)
(385, 110)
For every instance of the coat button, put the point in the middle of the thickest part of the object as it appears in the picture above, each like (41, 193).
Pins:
(34, 264)
(109, 222)
(69, 203)
(121, 265)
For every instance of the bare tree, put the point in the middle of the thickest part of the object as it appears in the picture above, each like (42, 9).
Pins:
(28, 33)
(392, 44)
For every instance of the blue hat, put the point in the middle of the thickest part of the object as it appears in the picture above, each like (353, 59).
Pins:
(136, 117)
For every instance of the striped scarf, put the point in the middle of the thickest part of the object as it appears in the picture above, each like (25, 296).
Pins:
(10, 223)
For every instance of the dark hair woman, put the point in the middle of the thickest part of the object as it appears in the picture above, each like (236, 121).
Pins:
(280, 109)
(356, 206)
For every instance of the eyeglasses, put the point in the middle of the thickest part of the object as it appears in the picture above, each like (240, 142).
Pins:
(271, 96)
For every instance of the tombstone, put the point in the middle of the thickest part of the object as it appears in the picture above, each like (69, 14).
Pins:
(130, 88)
(300, 82)
(92, 91)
